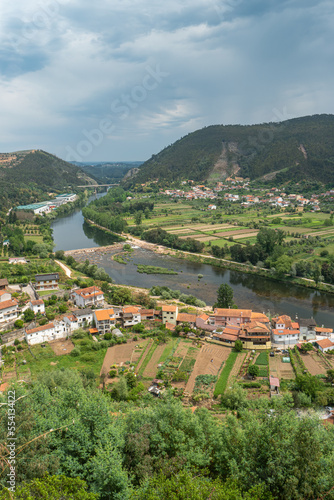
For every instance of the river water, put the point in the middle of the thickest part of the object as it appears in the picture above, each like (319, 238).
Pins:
(250, 291)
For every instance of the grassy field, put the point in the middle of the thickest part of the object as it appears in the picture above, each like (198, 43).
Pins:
(43, 359)
(222, 381)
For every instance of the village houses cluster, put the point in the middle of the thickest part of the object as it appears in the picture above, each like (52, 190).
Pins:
(254, 329)
(273, 197)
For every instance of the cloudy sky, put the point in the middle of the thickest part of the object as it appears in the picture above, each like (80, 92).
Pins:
(121, 79)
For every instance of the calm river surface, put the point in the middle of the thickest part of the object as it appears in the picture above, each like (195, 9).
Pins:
(250, 291)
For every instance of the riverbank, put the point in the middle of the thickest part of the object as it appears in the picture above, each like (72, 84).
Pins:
(214, 261)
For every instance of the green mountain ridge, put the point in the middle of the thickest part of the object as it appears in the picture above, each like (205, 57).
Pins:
(26, 176)
(298, 148)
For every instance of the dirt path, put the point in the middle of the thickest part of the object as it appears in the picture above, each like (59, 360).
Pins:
(67, 270)
(152, 367)
(204, 365)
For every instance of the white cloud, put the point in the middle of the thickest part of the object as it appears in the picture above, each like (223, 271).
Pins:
(64, 62)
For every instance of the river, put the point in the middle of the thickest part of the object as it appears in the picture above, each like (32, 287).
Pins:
(250, 291)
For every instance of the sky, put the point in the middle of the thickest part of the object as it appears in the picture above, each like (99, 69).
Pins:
(119, 80)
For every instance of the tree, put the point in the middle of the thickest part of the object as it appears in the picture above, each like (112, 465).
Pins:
(268, 238)
(238, 345)
(138, 217)
(306, 347)
(253, 370)
(224, 296)
(28, 315)
(55, 487)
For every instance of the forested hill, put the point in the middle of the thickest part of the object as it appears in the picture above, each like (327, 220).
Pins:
(298, 148)
(26, 175)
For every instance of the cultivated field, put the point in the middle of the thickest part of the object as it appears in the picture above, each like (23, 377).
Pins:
(314, 363)
(279, 369)
(208, 362)
(119, 354)
(152, 367)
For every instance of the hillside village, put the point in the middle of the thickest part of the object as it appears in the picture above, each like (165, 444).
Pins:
(225, 326)
(274, 197)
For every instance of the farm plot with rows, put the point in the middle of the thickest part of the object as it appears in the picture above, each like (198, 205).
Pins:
(208, 362)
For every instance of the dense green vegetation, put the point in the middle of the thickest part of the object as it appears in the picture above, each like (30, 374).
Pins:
(108, 172)
(258, 149)
(222, 381)
(146, 449)
(34, 176)
(141, 268)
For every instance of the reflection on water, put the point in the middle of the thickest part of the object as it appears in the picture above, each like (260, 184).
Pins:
(250, 291)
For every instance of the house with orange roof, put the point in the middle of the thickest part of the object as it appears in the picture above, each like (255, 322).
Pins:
(283, 322)
(169, 314)
(255, 335)
(104, 320)
(285, 336)
(88, 297)
(237, 317)
(52, 331)
(4, 296)
(324, 345)
(37, 306)
(8, 310)
(130, 316)
(186, 318)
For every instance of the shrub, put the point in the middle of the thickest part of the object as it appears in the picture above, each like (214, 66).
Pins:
(253, 370)
(112, 373)
(76, 352)
(16, 342)
(19, 323)
(88, 357)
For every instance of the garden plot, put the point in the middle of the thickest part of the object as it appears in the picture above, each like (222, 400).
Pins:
(314, 363)
(120, 354)
(279, 369)
(208, 362)
(247, 235)
(236, 232)
(152, 367)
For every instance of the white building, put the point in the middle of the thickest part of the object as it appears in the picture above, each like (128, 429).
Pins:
(84, 316)
(324, 345)
(46, 333)
(37, 306)
(285, 337)
(131, 316)
(87, 297)
(104, 320)
(78, 319)
(8, 310)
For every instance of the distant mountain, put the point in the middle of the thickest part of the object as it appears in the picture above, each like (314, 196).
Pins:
(299, 148)
(25, 176)
(109, 172)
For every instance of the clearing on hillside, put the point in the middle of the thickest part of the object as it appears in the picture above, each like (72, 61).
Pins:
(61, 346)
